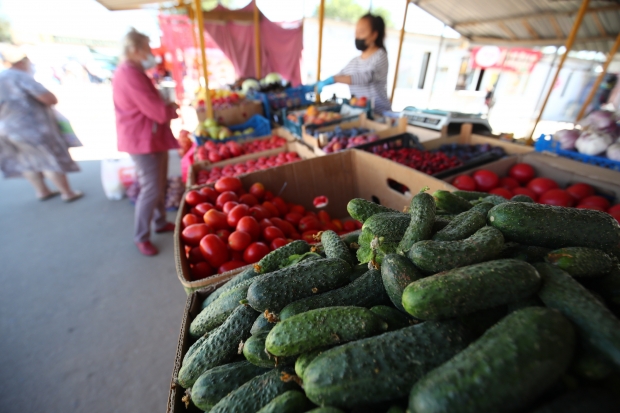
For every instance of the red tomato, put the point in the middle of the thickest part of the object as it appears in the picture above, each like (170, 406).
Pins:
(311, 214)
(295, 236)
(255, 252)
(194, 198)
(465, 183)
(200, 270)
(596, 200)
(486, 180)
(239, 240)
(259, 212)
(223, 234)
(248, 199)
(258, 190)
(271, 233)
(228, 206)
(501, 192)
(277, 243)
(271, 208)
(349, 226)
(281, 205)
(203, 207)
(194, 256)
(264, 223)
(324, 216)
(293, 218)
(522, 172)
(194, 233)
(298, 209)
(525, 191)
(508, 183)
(225, 197)
(593, 207)
(236, 214)
(250, 225)
(190, 219)
(308, 223)
(338, 224)
(228, 183)
(285, 226)
(308, 236)
(268, 196)
(216, 220)
(231, 265)
(214, 250)
(616, 215)
(210, 193)
(328, 226)
(557, 197)
(542, 185)
(614, 208)
(237, 255)
(580, 191)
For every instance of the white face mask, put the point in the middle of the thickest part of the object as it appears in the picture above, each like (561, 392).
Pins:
(149, 62)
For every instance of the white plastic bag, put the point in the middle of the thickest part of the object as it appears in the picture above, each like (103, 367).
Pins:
(116, 176)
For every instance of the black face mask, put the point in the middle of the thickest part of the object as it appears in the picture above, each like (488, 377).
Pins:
(360, 44)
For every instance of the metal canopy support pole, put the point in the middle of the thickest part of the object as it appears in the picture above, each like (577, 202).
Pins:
(400, 48)
(203, 52)
(599, 79)
(257, 40)
(430, 95)
(568, 46)
(318, 65)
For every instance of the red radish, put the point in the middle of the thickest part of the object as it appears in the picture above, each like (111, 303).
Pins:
(465, 183)
(557, 197)
(596, 200)
(525, 191)
(501, 192)
(542, 185)
(522, 172)
(508, 183)
(486, 180)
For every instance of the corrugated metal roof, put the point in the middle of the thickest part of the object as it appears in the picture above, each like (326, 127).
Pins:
(529, 22)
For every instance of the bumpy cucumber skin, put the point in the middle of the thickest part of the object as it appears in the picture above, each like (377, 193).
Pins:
(470, 195)
(358, 271)
(261, 325)
(361, 210)
(483, 207)
(468, 289)
(256, 393)
(582, 400)
(322, 327)
(451, 203)
(555, 227)
(595, 323)
(382, 368)
(439, 224)
(218, 311)
(391, 225)
(216, 383)
(463, 226)
(366, 291)
(525, 253)
(504, 370)
(327, 409)
(234, 281)
(394, 318)
(192, 349)
(422, 210)
(580, 261)
(254, 352)
(436, 256)
(280, 288)
(304, 360)
(522, 198)
(335, 247)
(293, 401)
(271, 262)
(495, 199)
(220, 347)
(397, 272)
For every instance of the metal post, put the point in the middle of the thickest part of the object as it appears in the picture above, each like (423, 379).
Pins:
(257, 40)
(568, 46)
(430, 96)
(203, 52)
(400, 48)
(318, 65)
(599, 79)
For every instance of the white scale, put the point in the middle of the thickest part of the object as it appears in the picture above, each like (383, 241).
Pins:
(437, 119)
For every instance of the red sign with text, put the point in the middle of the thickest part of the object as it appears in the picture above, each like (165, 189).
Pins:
(514, 59)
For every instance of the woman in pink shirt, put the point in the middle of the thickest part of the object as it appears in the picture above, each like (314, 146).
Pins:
(143, 129)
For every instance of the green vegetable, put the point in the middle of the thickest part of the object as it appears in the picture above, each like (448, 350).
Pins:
(233, 282)
(335, 247)
(297, 258)
(470, 195)
(381, 235)
(361, 210)
(436, 256)
(292, 401)
(261, 325)
(440, 223)
(192, 349)
(469, 289)
(326, 409)
(504, 370)
(480, 321)
(463, 226)
(581, 261)
(397, 272)
(483, 207)
(451, 203)
(532, 301)
(273, 260)
(305, 359)
(322, 327)
(422, 211)
(522, 198)
(525, 253)
(555, 227)
(495, 199)
(254, 352)
(394, 318)
(358, 271)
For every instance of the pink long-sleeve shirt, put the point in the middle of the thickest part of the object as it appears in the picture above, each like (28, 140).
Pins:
(142, 116)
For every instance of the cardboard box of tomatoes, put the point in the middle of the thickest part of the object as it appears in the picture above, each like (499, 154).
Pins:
(235, 114)
(278, 204)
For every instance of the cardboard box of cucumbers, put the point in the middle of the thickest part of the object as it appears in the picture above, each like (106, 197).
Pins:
(458, 305)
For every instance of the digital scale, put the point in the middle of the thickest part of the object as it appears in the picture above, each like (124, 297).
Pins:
(437, 119)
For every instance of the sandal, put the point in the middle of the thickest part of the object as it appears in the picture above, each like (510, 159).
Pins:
(49, 196)
(77, 195)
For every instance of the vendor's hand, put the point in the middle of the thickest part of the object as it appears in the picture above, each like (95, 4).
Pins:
(320, 85)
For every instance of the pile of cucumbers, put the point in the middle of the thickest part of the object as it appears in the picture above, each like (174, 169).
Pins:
(466, 303)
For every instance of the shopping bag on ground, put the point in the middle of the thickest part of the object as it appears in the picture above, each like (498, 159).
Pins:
(116, 176)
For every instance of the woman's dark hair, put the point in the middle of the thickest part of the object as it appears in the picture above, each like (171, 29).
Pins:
(378, 25)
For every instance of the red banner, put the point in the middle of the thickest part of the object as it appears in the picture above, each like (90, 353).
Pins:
(514, 59)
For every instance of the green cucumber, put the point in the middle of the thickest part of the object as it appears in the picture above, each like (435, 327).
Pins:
(366, 291)
(261, 324)
(440, 223)
(470, 195)
(463, 226)
(522, 198)
(397, 272)
(361, 210)
(273, 260)
(292, 401)
(217, 382)
(495, 199)
(507, 368)
(254, 352)
(555, 227)
(595, 323)
(468, 289)
(322, 327)
(422, 212)
(358, 271)
(335, 247)
(436, 256)
(192, 349)
(257, 392)
(326, 409)
(395, 319)
(483, 207)
(580, 261)
(381, 235)
(532, 301)
(525, 253)
(305, 359)
(233, 282)
(384, 367)
(351, 238)
(274, 291)
(218, 311)
(220, 346)
(480, 321)
(582, 400)
(297, 258)
(451, 203)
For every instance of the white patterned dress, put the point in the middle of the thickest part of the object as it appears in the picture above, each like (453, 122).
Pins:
(30, 139)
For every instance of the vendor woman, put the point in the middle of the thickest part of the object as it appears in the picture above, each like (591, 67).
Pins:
(366, 74)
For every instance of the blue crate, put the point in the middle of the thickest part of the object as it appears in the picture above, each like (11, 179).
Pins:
(296, 127)
(546, 144)
(262, 127)
(290, 98)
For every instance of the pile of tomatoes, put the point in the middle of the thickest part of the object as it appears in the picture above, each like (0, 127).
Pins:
(219, 151)
(424, 161)
(227, 227)
(522, 180)
(211, 175)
